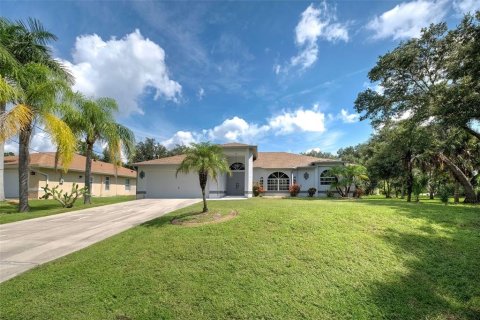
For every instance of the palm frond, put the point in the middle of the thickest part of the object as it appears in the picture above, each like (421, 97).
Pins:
(13, 121)
(9, 90)
(63, 138)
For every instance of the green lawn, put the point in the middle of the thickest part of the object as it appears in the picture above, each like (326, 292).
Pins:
(279, 259)
(39, 208)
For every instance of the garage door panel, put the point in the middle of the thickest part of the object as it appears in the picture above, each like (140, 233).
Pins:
(162, 183)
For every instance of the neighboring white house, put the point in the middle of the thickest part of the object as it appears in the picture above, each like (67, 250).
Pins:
(275, 171)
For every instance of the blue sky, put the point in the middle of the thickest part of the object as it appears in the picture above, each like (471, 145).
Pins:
(283, 75)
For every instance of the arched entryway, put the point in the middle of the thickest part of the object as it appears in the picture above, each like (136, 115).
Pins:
(236, 182)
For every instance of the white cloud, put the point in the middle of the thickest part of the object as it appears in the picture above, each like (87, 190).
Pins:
(349, 117)
(316, 23)
(122, 69)
(180, 137)
(466, 6)
(407, 19)
(310, 120)
(236, 129)
(277, 68)
(201, 94)
(40, 141)
(329, 142)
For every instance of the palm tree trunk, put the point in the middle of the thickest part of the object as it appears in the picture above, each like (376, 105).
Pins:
(470, 196)
(23, 168)
(87, 198)
(2, 164)
(203, 176)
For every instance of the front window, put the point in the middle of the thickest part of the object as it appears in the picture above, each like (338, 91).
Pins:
(327, 178)
(261, 182)
(237, 166)
(278, 181)
(107, 183)
(127, 184)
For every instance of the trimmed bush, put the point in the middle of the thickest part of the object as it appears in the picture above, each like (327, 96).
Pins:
(294, 190)
(311, 192)
(257, 189)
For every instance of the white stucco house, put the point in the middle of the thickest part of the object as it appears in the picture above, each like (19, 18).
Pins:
(275, 171)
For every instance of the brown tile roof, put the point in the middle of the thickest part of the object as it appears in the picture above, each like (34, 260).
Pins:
(264, 160)
(47, 160)
(167, 160)
(272, 160)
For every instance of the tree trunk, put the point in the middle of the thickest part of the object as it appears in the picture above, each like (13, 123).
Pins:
(87, 197)
(470, 196)
(23, 168)
(2, 164)
(388, 189)
(409, 169)
(472, 132)
(203, 176)
(456, 193)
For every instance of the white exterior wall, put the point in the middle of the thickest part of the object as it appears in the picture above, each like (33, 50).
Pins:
(306, 184)
(249, 174)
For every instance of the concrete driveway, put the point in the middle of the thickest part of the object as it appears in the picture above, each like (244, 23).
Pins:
(26, 244)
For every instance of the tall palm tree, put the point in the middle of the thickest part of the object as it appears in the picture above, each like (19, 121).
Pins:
(43, 81)
(94, 121)
(9, 90)
(42, 103)
(207, 160)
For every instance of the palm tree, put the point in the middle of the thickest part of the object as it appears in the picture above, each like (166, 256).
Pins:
(29, 65)
(207, 160)
(94, 121)
(42, 105)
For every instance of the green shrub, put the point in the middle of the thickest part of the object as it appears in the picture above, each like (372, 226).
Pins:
(330, 194)
(311, 192)
(444, 193)
(67, 200)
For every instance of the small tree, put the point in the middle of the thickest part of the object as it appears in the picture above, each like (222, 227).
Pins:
(348, 176)
(207, 160)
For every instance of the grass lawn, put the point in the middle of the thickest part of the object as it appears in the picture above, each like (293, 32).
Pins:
(278, 259)
(40, 208)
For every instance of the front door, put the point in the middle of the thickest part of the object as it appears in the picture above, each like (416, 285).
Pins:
(236, 184)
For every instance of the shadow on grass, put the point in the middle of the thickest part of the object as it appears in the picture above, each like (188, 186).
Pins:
(166, 220)
(441, 279)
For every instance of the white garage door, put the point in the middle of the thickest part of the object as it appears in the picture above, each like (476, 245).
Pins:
(10, 183)
(162, 183)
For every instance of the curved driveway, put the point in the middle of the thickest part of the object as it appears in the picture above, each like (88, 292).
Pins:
(26, 244)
